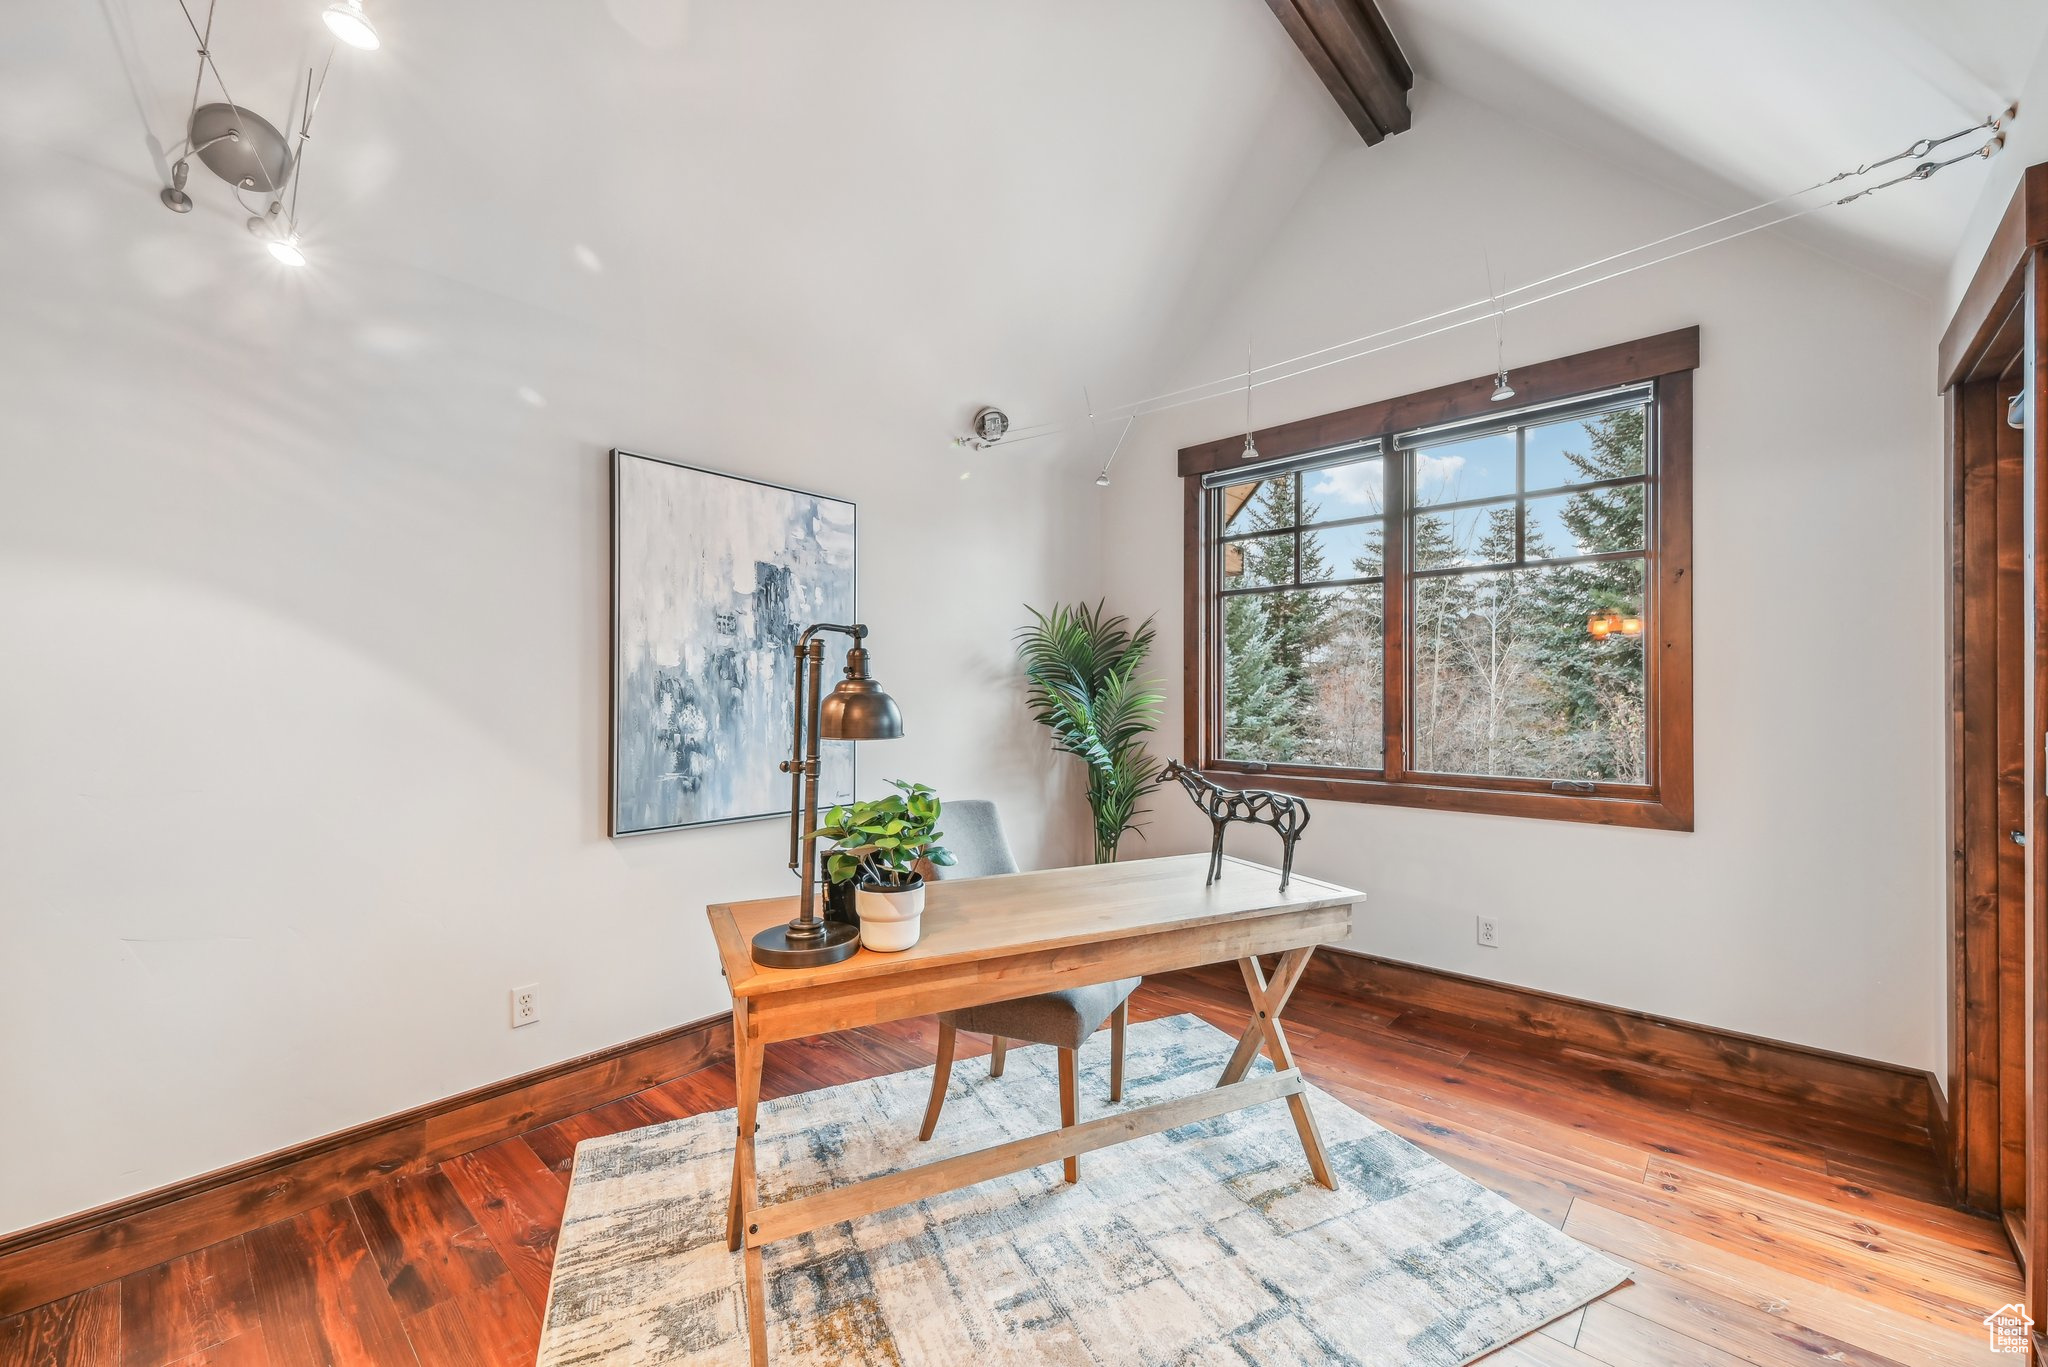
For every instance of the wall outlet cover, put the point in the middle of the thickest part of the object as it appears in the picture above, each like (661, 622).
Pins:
(1489, 932)
(525, 1004)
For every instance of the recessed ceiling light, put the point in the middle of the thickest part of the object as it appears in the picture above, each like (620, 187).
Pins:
(346, 21)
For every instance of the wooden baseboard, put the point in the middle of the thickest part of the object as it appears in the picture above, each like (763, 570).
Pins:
(53, 1260)
(49, 1261)
(1839, 1083)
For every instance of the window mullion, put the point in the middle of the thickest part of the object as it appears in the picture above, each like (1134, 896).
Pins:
(1521, 496)
(1394, 556)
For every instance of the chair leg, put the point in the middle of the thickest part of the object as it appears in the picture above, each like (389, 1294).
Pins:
(998, 1048)
(942, 1073)
(1070, 1104)
(1118, 1019)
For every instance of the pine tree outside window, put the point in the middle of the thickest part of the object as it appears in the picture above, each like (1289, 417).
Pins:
(1490, 611)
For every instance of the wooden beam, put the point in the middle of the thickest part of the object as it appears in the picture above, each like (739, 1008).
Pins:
(1348, 44)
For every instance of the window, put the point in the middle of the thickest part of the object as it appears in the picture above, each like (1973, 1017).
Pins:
(1435, 602)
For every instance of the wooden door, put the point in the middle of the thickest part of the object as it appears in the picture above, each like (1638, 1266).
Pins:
(1998, 743)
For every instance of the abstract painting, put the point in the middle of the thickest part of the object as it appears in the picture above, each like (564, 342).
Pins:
(713, 579)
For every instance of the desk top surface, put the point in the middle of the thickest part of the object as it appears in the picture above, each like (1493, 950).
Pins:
(989, 918)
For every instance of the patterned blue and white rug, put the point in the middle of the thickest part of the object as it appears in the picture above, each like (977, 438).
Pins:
(1206, 1244)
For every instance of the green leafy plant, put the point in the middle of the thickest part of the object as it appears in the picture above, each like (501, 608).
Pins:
(880, 842)
(1084, 688)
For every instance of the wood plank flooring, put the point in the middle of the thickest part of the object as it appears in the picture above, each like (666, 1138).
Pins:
(1759, 1234)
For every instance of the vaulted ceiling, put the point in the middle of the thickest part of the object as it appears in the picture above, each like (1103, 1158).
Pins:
(989, 201)
(981, 200)
(1739, 101)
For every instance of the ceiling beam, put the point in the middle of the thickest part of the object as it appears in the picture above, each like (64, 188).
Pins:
(1352, 49)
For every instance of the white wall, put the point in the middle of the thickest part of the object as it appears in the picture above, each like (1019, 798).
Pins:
(303, 585)
(303, 711)
(304, 579)
(1807, 906)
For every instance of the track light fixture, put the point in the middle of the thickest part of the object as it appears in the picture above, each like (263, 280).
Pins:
(1251, 448)
(1502, 390)
(1102, 480)
(347, 22)
(245, 149)
(281, 241)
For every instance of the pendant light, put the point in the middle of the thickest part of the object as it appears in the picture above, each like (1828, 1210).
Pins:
(1602, 626)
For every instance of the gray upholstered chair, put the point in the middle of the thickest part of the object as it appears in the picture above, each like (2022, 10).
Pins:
(1063, 1019)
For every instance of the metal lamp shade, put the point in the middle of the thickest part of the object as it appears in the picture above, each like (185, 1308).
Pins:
(858, 709)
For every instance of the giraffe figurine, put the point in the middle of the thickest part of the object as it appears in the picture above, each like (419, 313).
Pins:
(1286, 815)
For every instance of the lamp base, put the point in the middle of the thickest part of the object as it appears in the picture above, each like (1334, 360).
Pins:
(791, 947)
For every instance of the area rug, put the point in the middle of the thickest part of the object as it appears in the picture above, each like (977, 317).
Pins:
(1206, 1244)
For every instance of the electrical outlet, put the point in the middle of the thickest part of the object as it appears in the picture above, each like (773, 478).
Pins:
(1489, 932)
(525, 1004)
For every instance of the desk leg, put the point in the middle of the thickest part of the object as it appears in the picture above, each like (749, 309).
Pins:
(1267, 1001)
(746, 1070)
(747, 1059)
(1292, 965)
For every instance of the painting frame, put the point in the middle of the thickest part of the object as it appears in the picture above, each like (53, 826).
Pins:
(615, 684)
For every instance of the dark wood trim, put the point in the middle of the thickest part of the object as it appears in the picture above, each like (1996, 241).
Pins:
(1954, 947)
(1449, 795)
(1350, 47)
(1997, 285)
(1669, 687)
(1997, 651)
(49, 1261)
(1974, 744)
(1394, 679)
(2011, 794)
(2035, 1024)
(1794, 1073)
(1668, 803)
(1647, 358)
(1199, 608)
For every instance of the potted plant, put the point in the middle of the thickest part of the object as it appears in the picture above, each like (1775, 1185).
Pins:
(876, 847)
(1082, 668)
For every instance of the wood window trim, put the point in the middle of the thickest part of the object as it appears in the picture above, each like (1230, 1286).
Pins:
(1668, 360)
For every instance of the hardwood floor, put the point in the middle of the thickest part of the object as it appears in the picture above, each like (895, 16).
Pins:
(1759, 1235)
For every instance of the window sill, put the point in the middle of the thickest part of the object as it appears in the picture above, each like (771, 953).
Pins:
(1649, 813)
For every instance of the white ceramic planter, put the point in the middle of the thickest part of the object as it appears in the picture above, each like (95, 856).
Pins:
(890, 918)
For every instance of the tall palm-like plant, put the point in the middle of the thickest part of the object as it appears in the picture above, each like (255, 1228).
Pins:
(1084, 688)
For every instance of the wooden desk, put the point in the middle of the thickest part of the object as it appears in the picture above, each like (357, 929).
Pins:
(992, 939)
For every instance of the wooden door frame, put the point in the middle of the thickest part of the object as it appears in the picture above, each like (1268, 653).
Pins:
(1998, 923)
(1985, 1123)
